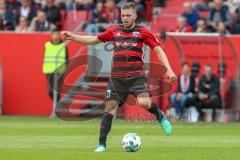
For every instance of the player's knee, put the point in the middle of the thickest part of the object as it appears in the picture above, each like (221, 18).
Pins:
(144, 102)
(111, 105)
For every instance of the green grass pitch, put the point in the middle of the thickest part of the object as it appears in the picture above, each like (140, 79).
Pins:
(34, 138)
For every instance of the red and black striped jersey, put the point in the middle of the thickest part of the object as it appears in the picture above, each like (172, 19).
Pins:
(128, 49)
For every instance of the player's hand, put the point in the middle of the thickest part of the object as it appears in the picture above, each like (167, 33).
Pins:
(65, 35)
(178, 97)
(171, 76)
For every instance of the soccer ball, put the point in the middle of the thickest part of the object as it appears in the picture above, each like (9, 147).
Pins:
(131, 142)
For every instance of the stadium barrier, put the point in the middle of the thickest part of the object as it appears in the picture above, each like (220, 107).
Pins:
(24, 84)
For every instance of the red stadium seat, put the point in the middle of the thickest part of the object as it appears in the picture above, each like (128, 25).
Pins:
(175, 10)
(164, 23)
(174, 3)
(179, 3)
(63, 14)
(63, 18)
(149, 9)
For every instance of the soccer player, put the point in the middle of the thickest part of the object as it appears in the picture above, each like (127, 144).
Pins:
(127, 75)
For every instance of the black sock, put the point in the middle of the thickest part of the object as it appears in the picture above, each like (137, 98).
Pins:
(105, 127)
(156, 111)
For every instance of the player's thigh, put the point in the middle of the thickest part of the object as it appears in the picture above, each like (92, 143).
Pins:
(140, 88)
(111, 106)
(117, 91)
(144, 100)
(138, 85)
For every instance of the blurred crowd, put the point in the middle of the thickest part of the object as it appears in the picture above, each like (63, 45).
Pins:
(28, 15)
(202, 92)
(210, 16)
(45, 15)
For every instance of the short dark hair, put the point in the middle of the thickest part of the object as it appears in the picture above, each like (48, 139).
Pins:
(185, 63)
(129, 5)
(55, 30)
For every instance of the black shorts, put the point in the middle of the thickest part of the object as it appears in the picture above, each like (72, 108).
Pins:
(119, 89)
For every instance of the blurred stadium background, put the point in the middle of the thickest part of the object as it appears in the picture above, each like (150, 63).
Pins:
(188, 31)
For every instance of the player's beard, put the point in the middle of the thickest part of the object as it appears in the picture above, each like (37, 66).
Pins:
(129, 26)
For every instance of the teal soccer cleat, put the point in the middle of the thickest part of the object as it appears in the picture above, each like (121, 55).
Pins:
(166, 126)
(100, 148)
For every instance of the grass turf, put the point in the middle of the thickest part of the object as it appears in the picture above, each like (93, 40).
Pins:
(34, 138)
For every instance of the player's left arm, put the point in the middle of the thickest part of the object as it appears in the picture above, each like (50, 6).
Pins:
(163, 58)
(154, 44)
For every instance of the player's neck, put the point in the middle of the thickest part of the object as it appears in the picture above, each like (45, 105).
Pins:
(130, 27)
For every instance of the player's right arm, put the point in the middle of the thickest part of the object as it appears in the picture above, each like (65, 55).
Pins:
(106, 36)
(89, 40)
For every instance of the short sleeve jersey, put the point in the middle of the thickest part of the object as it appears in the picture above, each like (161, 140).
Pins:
(128, 49)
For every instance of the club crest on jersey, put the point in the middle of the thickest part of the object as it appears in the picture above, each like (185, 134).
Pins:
(135, 34)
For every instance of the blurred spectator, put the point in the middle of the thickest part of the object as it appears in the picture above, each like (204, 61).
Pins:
(185, 92)
(6, 17)
(11, 3)
(26, 9)
(196, 69)
(209, 91)
(111, 11)
(70, 5)
(237, 23)
(23, 26)
(238, 7)
(41, 24)
(40, 4)
(191, 15)
(202, 27)
(222, 29)
(203, 6)
(231, 5)
(1, 25)
(53, 13)
(182, 25)
(141, 10)
(98, 16)
(140, 6)
(55, 61)
(85, 4)
(220, 13)
(159, 3)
